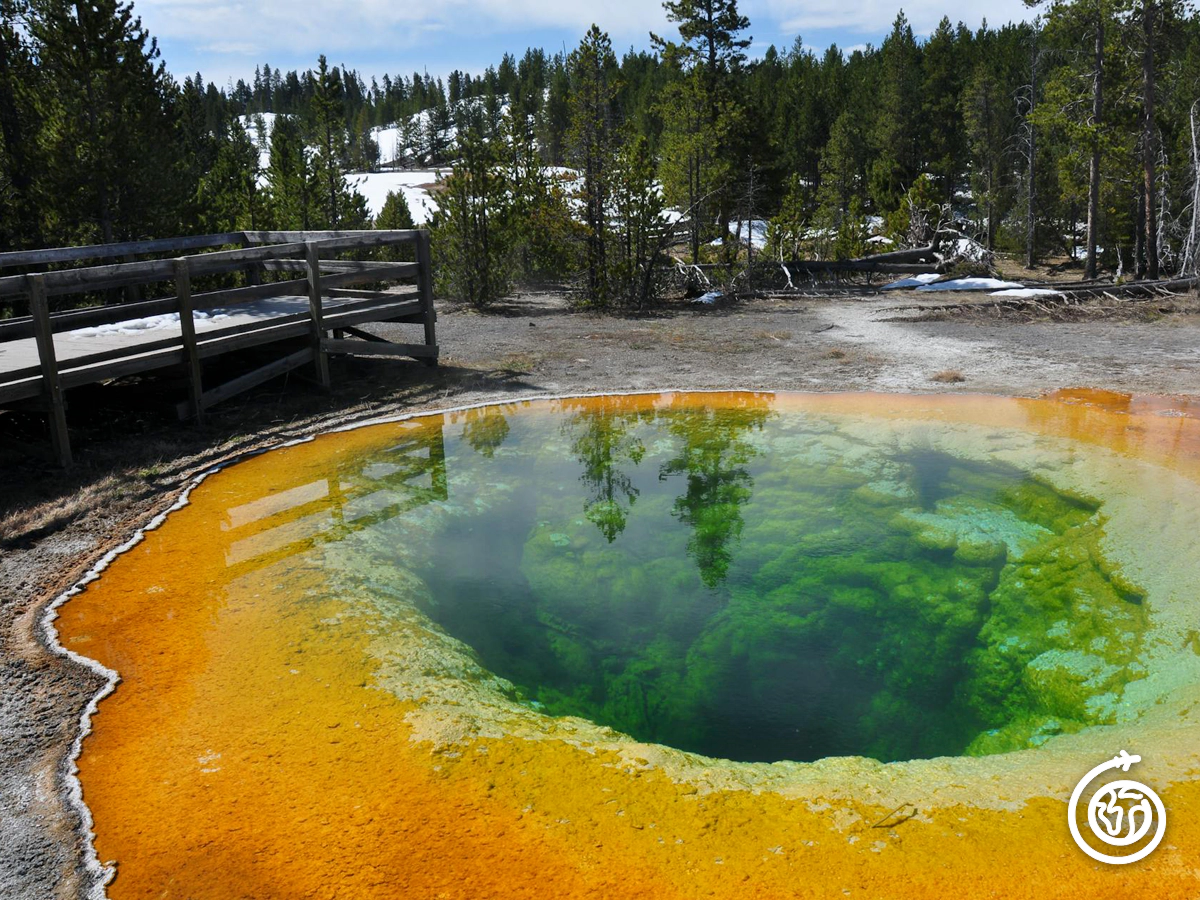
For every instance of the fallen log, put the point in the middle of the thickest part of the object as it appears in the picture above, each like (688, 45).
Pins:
(913, 255)
(1134, 288)
(866, 264)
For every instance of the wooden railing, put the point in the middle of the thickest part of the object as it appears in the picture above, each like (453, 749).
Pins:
(327, 296)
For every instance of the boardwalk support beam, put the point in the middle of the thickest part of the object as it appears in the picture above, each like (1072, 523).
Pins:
(187, 325)
(425, 285)
(312, 255)
(51, 388)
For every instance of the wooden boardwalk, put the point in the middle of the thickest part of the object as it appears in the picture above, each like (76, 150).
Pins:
(44, 354)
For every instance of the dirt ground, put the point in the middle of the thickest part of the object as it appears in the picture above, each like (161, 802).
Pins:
(133, 458)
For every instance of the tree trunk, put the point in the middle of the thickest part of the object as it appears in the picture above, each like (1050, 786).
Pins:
(1093, 221)
(1148, 142)
(1030, 215)
(991, 210)
(695, 204)
(1139, 243)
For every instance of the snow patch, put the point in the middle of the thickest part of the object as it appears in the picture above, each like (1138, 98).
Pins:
(971, 284)
(261, 141)
(757, 228)
(375, 187)
(165, 322)
(912, 281)
(965, 248)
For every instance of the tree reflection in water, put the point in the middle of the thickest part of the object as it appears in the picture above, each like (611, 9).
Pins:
(712, 458)
(602, 440)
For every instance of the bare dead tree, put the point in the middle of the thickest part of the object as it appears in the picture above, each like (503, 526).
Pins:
(1149, 133)
(1189, 256)
(1027, 139)
(1097, 121)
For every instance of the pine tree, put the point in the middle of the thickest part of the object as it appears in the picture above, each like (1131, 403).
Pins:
(894, 138)
(395, 214)
(985, 110)
(1085, 27)
(593, 72)
(640, 231)
(229, 198)
(702, 114)
(337, 205)
(199, 144)
(789, 228)
(839, 218)
(471, 229)
(111, 129)
(555, 117)
(543, 231)
(20, 123)
(329, 132)
(291, 179)
(941, 109)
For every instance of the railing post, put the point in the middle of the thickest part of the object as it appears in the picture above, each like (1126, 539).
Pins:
(51, 388)
(187, 326)
(312, 255)
(425, 286)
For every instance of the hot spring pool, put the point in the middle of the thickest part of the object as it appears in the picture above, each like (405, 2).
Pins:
(656, 645)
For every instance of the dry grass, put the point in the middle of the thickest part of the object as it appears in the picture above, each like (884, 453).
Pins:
(948, 376)
(521, 363)
(771, 335)
(54, 513)
(836, 354)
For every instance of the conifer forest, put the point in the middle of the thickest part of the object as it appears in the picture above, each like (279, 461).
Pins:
(1072, 135)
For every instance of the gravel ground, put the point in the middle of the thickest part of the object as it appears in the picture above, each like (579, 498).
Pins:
(133, 460)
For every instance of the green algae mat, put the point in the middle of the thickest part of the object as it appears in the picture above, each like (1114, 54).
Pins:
(757, 585)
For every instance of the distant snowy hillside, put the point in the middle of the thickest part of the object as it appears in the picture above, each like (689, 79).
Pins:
(375, 186)
(263, 141)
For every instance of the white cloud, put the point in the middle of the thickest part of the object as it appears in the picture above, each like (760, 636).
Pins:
(309, 27)
(228, 38)
(875, 17)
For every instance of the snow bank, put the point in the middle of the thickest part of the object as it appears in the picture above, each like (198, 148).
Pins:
(758, 232)
(971, 284)
(261, 141)
(165, 322)
(391, 146)
(965, 248)
(913, 281)
(375, 186)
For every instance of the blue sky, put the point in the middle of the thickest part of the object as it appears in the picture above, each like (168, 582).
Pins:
(226, 39)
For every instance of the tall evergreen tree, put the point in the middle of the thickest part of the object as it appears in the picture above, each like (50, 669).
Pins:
(229, 197)
(941, 105)
(471, 231)
(112, 134)
(640, 229)
(593, 75)
(329, 134)
(20, 123)
(291, 178)
(702, 112)
(894, 137)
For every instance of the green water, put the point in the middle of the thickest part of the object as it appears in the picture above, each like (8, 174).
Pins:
(761, 586)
